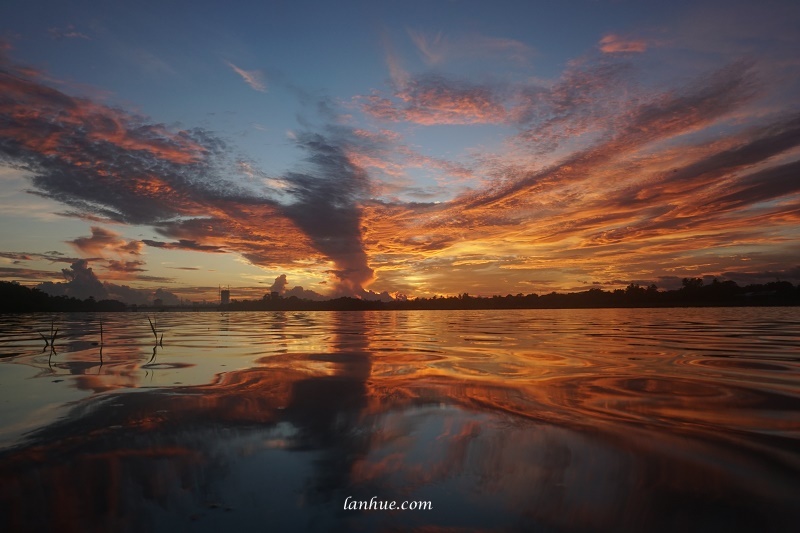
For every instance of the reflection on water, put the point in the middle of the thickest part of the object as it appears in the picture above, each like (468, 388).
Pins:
(550, 420)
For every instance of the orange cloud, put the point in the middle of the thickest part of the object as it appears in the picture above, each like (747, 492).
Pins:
(620, 208)
(104, 242)
(632, 186)
(435, 100)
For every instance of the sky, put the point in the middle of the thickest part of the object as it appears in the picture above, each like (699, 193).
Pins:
(384, 148)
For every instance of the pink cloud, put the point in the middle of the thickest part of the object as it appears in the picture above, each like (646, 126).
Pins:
(253, 78)
(614, 44)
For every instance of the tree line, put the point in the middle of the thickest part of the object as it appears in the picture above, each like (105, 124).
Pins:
(15, 298)
(693, 293)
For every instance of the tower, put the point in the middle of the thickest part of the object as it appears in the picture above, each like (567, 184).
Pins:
(225, 296)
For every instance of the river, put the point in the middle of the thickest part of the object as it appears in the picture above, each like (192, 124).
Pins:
(520, 420)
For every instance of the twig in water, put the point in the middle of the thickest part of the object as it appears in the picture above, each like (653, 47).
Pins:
(159, 342)
(101, 343)
(53, 335)
(153, 328)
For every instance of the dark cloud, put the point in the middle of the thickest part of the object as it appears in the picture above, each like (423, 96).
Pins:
(184, 244)
(25, 273)
(280, 284)
(103, 161)
(126, 267)
(746, 278)
(327, 207)
(759, 144)
(768, 184)
(304, 294)
(107, 164)
(52, 257)
(166, 297)
(16, 256)
(80, 282)
(129, 295)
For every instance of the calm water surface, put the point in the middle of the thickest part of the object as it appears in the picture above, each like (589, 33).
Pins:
(531, 420)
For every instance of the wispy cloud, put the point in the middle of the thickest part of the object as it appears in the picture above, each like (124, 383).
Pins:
(68, 32)
(623, 199)
(433, 99)
(431, 48)
(437, 48)
(616, 44)
(254, 78)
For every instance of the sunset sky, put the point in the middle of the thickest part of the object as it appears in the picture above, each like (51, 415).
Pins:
(425, 147)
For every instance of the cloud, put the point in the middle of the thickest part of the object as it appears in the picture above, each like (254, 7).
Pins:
(69, 32)
(125, 267)
(744, 277)
(14, 273)
(646, 196)
(437, 48)
(280, 284)
(120, 257)
(589, 99)
(327, 205)
(184, 244)
(253, 78)
(432, 99)
(662, 117)
(80, 282)
(128, 295)
(51, 256)
(105, 162)
(587, 95)
(105, 242)
(166, 297)
(616, 44)
(431, 48)
(304, 294)
(390, 163)
(100, 160)
(636, 183)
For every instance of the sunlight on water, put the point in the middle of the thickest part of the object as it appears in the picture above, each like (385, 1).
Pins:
(611, 419)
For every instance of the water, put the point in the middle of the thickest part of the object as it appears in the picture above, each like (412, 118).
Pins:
(543, 420)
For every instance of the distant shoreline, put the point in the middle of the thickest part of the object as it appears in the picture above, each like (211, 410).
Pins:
(16, 298)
